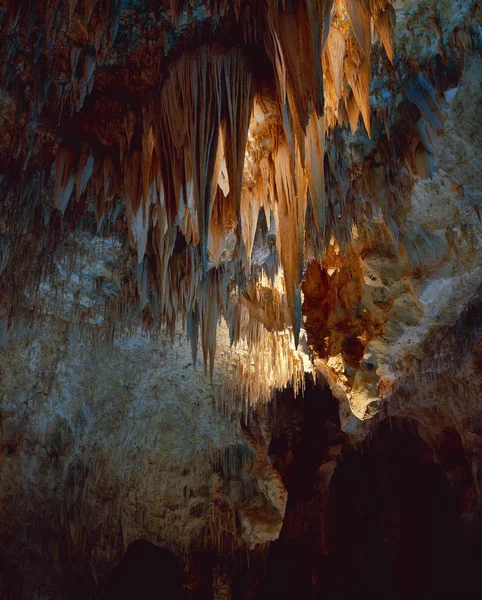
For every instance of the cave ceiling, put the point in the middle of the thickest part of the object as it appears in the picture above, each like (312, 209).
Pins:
(260, 176)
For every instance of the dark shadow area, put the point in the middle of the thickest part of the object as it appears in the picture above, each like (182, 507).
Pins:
(381, 521)
(11, 581)
(198, 581)
(306, 436)
(145, 572)
(288, 573)
(396, 532)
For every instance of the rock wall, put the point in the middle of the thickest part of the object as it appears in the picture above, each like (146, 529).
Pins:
(101, 447)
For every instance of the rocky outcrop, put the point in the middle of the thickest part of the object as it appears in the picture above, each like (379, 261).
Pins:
(370, 310)
(102, 447)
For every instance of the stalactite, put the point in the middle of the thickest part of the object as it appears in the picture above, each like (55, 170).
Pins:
(353, 112)
(315, 170)
(65, 177)
(357, 73)
(335, 50)
(202, 192)
(359, 13)
(289, 213)
(216, 139)
(384, 17)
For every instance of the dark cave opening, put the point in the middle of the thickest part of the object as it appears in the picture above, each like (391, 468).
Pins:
(145, 572)
(377, 521)
(396, 531)
(306, 435)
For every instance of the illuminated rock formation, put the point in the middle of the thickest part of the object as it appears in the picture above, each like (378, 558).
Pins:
(218, 129)
(289, 189)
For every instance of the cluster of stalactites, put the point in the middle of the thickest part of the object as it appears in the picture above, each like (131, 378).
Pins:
(346, 58)
(341, 31)
(48, 37)
(218, 144)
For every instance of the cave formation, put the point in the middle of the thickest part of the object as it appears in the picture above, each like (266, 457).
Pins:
(240, 299)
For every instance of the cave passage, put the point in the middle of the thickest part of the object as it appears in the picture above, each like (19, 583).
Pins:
(387, 525)
(145, 572)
